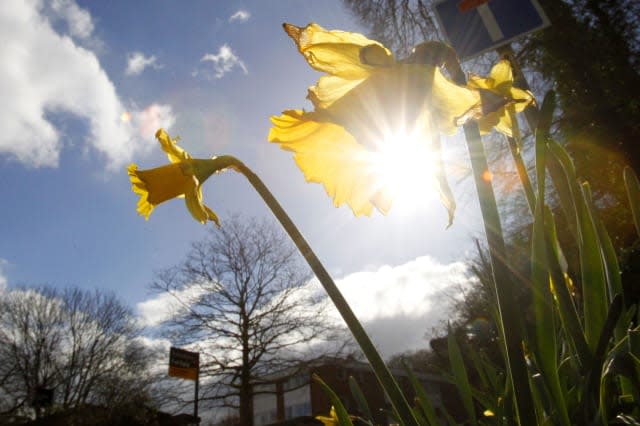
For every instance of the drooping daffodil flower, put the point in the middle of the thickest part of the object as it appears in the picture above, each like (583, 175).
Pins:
(500, 82)
(363, 100)
(182, 178)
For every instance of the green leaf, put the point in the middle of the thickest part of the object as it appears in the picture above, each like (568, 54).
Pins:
(460, 376)
(594, 287)
(546, 114)
(341, 412)
(633, 193)
(423, 400)
(566, 307)
(593, 282)
(595, 368)
(360, 399)
(545, 331)
(563, 177)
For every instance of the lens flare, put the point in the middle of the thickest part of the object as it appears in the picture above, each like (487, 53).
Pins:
(125, 117)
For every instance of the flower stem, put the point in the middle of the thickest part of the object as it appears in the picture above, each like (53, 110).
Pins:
(511, 326)
(383, 374)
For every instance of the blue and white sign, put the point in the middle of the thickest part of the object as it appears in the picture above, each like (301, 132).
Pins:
(473, 27)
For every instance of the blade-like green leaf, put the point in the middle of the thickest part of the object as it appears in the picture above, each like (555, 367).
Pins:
(566, 307)
(545, 331)
(563, 176)
(341, 412)
(594, 372)
(460, 376)
(633, 193)
(593, 283)
(594, 287)
(423, 400)
(360, 399)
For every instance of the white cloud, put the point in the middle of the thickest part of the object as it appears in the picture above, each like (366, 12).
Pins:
(43, 72)
(240, 16)
(398, 305)
(3, 277)
(137, 62)
(78, 20)
(162, 307)
(224, 61)
(406, 290)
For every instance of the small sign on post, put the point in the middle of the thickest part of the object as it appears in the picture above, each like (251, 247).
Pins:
(473, 27)
(184, 364)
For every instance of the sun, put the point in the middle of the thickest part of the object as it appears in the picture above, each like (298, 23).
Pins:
(406, 166)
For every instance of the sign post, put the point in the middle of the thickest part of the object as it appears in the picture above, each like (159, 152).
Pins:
(473, 27)
(186, 365)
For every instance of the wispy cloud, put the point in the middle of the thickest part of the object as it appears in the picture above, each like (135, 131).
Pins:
(240, 16)
(78, 20)
(224, 61)
(137, 62)
(74, 83)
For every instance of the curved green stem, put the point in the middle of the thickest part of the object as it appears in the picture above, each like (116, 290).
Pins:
(515, 144)
(522, 173)
(383, 374)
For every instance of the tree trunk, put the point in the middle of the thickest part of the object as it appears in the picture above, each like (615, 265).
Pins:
(246, 397)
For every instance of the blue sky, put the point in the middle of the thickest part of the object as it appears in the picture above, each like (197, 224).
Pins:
(212, 72)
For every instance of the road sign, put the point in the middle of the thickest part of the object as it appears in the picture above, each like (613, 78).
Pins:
(184, 364)
(473, 27)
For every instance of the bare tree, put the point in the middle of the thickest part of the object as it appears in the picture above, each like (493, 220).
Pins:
(398, 24)
(245, 303)
(79, 344)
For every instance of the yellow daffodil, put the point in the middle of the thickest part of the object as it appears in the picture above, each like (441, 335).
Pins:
(183, 177)
(500, 82)
(332, 420)
(364, 97)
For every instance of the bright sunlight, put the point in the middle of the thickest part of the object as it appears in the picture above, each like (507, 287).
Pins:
(407, 166)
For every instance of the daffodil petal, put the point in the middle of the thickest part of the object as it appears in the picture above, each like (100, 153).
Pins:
(476, 82)
(522, 98)
(502, 75)
(450, 102)
(211, 215)
(327, 154)
(446, 195)
(193, 200)
(505, 125)
(139, 187)
(174, 152)
(337, 52)
(329, 89)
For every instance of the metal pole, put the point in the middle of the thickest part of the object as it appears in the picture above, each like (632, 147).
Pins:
(195, 401)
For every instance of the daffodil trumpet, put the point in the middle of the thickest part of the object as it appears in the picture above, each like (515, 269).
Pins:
(184, 177)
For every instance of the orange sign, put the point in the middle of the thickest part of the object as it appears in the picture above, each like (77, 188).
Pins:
(467, 5)
(184, 364)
